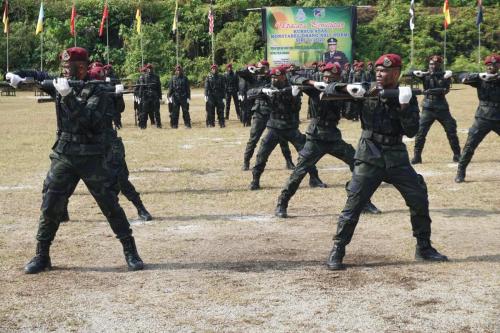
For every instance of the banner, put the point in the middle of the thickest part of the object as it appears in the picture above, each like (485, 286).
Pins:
(301, 35)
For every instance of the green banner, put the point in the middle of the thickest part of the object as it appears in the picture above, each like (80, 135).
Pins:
(302, 35)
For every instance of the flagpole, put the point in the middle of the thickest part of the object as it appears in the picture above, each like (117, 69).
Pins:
(479, 46)
(412, 49)
(213, 33)
(177, 36)
(107, 36)
(142, 52)
(444, 53)
(7, 48)
(41, 52)
(74, 6)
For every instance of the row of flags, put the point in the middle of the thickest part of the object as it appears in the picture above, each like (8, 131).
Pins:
(446, 13)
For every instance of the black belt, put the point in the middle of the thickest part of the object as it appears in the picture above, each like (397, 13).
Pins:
(80, 138)
(388, 140)
(327, 123)
(281, 116)
(434, 97)
(488, 103)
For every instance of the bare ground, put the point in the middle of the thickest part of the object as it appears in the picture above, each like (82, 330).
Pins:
(217, 259)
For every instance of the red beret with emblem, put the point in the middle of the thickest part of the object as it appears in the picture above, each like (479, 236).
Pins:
(436, 58)
(346, 65)
(94, 64)
(492, 59)
(277, 71)
(389, 60)
(329, 67)
(75, 54)
(96, 73)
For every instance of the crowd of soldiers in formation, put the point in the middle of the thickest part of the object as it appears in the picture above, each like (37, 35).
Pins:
(88, 147)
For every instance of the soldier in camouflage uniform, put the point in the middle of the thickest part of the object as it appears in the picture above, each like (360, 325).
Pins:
(232, 81)
(487, 116)
(179, 95)
(148, 90)
(435, 107)
(215, 91)
(258, 77)
(283, 123)
(382, 157)
(323, 136)
(84, 115)
(370, 72)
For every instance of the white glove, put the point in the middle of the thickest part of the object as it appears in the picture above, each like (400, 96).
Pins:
(482, 76)
(240, 98)
(405, 95)
(206, 99)
(295, 90)
(447, 74)
(223, 100)
(252, 69)
(356, 90)
(14, 79)
(321, 86)
(169, 99)
(108, 79)
(419, 73)
(62, 86)
(268, 91)
(119, 89)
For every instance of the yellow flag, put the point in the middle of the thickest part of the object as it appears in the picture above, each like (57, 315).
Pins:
(174, 25)
(139, 20)
(41, 17)
(446, 12)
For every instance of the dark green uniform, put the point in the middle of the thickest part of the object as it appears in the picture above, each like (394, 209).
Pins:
(382, 157)
(261, 111)
(245, 103)
(179, 91)
(435, 107)
(487, 118)
(283, 124)
(149, 94)
(322, 137)
(215, 90)
(232, 81)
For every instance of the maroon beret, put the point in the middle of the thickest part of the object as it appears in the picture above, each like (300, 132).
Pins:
(214, 66)
(389, 60)
(436, 58)
(96, 73)
(263, 63)
(334, 68)
(74, 54)
(492, 59)
(229, 66)
(95, 64)
(107, 67)
(278, 71)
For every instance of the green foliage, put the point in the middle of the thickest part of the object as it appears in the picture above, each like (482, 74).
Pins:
(384, 29)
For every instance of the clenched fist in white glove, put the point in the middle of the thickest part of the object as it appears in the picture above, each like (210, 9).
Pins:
(119, 89)
(241, 98)
(356, 90)
(419, 73)
(14, 79)
(447, 74)
(169, 99)
(483, 76)
(62, 86)
(321, 86)
(268, 91)
(252, 69)
(295, 90)
(405, 95)
(206, 99)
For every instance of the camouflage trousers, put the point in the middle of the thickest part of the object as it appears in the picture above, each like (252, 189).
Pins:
(480, 128)
(259, 122)
(312, 152)
(444, 117)
(65, 171)
(366, 178)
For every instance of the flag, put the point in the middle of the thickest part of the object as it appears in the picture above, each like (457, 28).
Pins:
(73, 19)
(412, 15)
(139, 20)
(105, 15)
(174, 25)
(210, 22)
(41, 17)
(479, 17)
(446, 12)
(5, 18)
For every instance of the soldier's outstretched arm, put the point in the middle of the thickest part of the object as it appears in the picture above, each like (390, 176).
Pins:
(409, 117)
(38, 76)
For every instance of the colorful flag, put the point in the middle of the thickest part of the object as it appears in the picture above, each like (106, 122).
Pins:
(41, 17)
(479, 17)
(412, 15)
(174, 25)
(105, 15)
(139, 20)
(73, 19)
(210, 22)
(446, 12)
(5, 18)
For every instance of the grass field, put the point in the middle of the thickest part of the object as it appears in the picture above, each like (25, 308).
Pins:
(216, 258)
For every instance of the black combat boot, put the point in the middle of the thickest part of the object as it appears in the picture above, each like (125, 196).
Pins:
(188, 124)
(455, 147)
(41, 261)
(334, 262)
(134, 262)
(370, 208)
(314, 180)
(424, 251)
(141, 211)
(65, 216)
(281, 207)
(460, 177)
(417, 157)
(289, 164)
(255, 184)
(456, 157)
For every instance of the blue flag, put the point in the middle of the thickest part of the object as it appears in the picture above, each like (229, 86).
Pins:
(479, 17)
